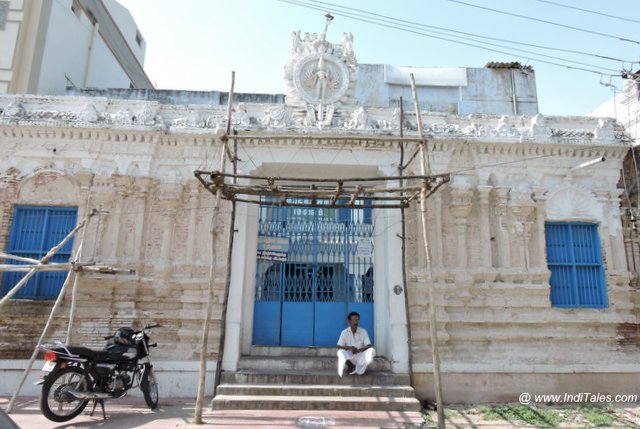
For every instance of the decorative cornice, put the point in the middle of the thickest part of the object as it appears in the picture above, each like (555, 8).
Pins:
(33, 115)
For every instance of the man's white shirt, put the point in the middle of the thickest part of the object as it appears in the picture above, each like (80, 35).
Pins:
(357, 340)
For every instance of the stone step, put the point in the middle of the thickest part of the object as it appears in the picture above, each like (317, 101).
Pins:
(373, 378)
(298, 363)
(316, 390)
(293, 351)
(351, 403)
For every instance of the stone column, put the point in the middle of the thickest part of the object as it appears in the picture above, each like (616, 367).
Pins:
(485, 226)
(501, 194)
(193, 204)
(538, 255)
(171, 199)
(142, 203)
(436, 199)
(521, 207)
(608, 253)
(102, 198)
(618, 246)
(460, 208)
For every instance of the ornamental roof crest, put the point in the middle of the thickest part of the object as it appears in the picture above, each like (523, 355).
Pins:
(320, 73)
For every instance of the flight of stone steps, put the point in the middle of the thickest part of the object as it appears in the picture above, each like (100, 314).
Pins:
(306, 379)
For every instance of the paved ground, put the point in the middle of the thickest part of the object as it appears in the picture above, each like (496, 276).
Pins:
(130, 413)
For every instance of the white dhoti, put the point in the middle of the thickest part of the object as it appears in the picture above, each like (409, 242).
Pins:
(360, 360)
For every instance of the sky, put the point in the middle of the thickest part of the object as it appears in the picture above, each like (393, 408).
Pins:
(195, 44)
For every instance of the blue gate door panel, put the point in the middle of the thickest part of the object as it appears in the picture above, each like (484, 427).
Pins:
(266, 323)
(297, 324)
(329, 322)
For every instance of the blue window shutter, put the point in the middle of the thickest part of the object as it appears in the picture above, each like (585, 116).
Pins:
(575, 261)
(34, 231)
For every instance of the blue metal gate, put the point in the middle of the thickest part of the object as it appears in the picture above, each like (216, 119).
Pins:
(315, 265)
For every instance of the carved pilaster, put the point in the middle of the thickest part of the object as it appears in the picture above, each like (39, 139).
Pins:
(501, 196)
(461, 203)
(437, 218)
(193, 204)
(538, 256)
(485, 227)
(604, 199)
(171, 194)
(521, 206)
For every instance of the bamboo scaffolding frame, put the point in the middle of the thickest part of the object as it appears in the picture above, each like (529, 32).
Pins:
(360, 192)
(339, 196)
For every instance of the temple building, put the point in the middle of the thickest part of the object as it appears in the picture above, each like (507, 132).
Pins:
(527, 258)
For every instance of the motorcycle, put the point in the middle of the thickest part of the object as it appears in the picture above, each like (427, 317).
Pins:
(73, 376)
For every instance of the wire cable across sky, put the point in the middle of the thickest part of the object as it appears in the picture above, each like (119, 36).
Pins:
(397, 24)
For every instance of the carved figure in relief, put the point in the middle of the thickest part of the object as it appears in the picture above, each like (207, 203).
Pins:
(321, 80)
(358, 119)
(347, 43)
(241, 116)
(296, 43)
(310, 118)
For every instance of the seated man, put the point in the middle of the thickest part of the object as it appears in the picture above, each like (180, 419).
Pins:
(354, 347)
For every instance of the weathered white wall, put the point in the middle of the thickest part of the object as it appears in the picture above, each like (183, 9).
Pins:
(486, 228)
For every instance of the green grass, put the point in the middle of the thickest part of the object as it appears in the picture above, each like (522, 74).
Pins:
(537, 417)
(597, 416)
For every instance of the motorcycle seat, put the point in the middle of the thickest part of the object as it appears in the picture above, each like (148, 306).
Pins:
(96, 355)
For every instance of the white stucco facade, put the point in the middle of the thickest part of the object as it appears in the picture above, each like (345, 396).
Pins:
(132, 155)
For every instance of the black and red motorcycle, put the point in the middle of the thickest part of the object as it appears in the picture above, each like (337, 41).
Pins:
(73, 376)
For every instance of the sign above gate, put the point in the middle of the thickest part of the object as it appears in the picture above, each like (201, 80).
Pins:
(273, 248)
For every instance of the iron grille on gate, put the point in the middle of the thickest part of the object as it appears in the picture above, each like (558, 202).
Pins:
(34, 231)
(317, 268)
(575, 260)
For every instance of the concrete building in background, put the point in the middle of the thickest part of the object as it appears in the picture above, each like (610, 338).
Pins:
(49, 45)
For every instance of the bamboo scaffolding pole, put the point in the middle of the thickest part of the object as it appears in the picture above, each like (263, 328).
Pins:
(76, 278)
(64, 266)
(51, 268)
(227, 285)
(197, 419)
(56, 305)
(425, 168)
(43, 261)
(18, 258)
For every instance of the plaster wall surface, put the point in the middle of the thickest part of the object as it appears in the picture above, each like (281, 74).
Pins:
(136, 158)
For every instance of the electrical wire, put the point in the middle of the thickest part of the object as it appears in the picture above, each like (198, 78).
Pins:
(589, 11)
(370, 21)
(414, 24)
(584, 30)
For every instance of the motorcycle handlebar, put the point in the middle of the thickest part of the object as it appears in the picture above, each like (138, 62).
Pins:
(155, 325)
(153, 345)
(109, 337)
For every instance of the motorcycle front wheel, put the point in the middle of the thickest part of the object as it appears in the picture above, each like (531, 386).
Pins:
(149, 387)
(56, 403)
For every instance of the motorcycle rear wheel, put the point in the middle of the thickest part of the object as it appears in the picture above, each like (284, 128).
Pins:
(149, 387)
(56, 403)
